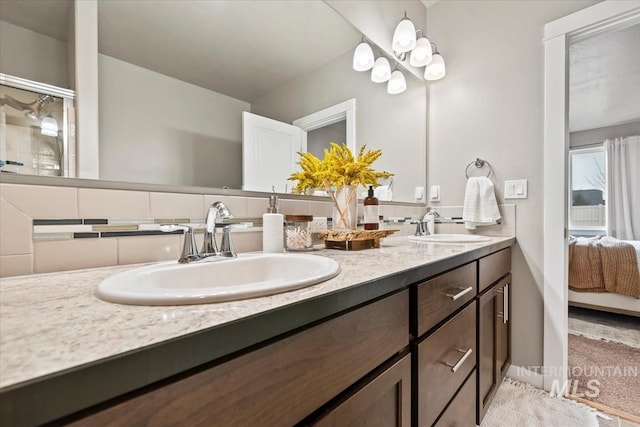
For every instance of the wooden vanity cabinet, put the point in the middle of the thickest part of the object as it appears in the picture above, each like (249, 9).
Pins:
(284, 382)
(494, 333)
(445, 345)
(385, 401)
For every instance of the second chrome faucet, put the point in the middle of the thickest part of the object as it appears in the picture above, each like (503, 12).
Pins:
(217, 212)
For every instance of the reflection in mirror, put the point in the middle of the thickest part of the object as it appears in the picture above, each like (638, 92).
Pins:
(176, 76)
(163, 121)
(33, 128)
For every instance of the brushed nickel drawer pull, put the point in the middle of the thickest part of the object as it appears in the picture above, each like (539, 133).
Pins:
(505, 300)
(460, 294)
(459, 363)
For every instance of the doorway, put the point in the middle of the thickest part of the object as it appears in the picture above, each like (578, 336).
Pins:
(559, 34)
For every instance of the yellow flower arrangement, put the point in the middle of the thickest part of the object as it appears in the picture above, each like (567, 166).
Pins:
(339, 167)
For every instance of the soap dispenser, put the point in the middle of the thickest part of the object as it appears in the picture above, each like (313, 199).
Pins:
(371, 216)
(273, 228)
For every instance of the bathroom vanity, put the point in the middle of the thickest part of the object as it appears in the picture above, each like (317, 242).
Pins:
(407, 334)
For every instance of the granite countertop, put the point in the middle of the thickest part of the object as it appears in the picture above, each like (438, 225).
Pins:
(52, 323)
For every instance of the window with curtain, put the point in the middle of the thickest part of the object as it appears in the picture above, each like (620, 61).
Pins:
(623, 187)
(588, 190)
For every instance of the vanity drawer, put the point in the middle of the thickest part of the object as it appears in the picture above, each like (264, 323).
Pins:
(442, 295)
(276, 385)
(493, 267)
(461, 412)
(444, 361)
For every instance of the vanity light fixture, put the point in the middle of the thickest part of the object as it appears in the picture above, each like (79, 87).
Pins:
(421, 55)
(363, 57)
(435, 70)
(404, 36)
(397, 83)
(49, 126)
(407, 41)
(381, 71)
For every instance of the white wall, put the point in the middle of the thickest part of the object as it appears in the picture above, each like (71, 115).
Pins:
(33, 56)
(490, 105)
(157, 129)
(394, 123)
(319, 139)
(85, 46)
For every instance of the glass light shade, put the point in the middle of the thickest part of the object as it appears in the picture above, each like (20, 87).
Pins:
(421, 54)
(397, 83)
(363, 57)
(381, 71)
(435, 70)
(404, 37)
(49, 126)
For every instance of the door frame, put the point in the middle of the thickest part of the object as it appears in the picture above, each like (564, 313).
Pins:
(345, 110)
(557, 35)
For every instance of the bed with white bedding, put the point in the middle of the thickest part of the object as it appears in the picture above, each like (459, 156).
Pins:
(607, 301)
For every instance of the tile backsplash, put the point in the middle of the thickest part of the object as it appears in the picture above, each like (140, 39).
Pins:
(48, 228)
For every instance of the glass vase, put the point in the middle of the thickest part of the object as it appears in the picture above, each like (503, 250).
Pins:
(345, 208)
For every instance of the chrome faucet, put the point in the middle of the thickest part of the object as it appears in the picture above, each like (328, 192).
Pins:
(217, 212)
(426, 225)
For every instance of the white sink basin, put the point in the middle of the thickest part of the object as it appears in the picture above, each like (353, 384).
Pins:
(450, 238)
(247, 276)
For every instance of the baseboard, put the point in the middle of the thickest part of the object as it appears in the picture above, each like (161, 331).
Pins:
(525, 375)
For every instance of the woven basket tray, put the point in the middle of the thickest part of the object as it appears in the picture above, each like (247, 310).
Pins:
(353, 240)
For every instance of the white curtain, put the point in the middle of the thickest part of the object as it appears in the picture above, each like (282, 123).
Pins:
(623, 187)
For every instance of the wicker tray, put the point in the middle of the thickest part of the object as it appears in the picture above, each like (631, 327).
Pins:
(353, 240)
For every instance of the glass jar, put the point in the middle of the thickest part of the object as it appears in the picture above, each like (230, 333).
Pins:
(297, 232)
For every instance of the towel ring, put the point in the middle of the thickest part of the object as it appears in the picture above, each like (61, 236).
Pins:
(479, 163)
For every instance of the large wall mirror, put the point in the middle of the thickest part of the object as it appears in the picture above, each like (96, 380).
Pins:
(176, 76)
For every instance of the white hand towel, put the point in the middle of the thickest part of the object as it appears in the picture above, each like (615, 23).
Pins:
(480, 205)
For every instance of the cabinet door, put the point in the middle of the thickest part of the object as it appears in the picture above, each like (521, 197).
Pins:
(461, 411)
(276, 385)
(494, 342)
(384, 402)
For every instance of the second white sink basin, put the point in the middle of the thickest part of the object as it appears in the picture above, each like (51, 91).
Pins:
(247, 276)
(450, 238)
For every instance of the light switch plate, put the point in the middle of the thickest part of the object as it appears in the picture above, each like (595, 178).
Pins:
(434, 193)
(515, 189)
(419, 194)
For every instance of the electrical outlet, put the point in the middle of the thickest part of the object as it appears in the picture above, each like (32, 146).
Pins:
(319, 223)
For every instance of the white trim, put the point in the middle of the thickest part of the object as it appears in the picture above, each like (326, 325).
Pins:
(20, 83)
(343, 111)
(525, 375)
(556, 33)
(600, 16)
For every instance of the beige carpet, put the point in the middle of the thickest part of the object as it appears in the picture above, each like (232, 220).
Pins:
(519, 404)
(605, 372)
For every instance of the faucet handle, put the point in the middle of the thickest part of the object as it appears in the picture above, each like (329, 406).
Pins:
(226, 246)
(189, 249)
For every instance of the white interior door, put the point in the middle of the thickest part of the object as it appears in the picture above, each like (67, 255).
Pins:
(269, 150)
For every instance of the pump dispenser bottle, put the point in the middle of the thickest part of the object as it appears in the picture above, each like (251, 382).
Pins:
(371, 218)
(273, 228)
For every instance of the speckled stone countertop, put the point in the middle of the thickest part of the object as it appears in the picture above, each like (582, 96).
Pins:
(52, 324)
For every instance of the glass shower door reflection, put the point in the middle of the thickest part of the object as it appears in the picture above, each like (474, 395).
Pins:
(32, 133)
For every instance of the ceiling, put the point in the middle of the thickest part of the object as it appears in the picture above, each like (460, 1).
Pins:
(604, 79)
(50, 17)
(240, 48)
